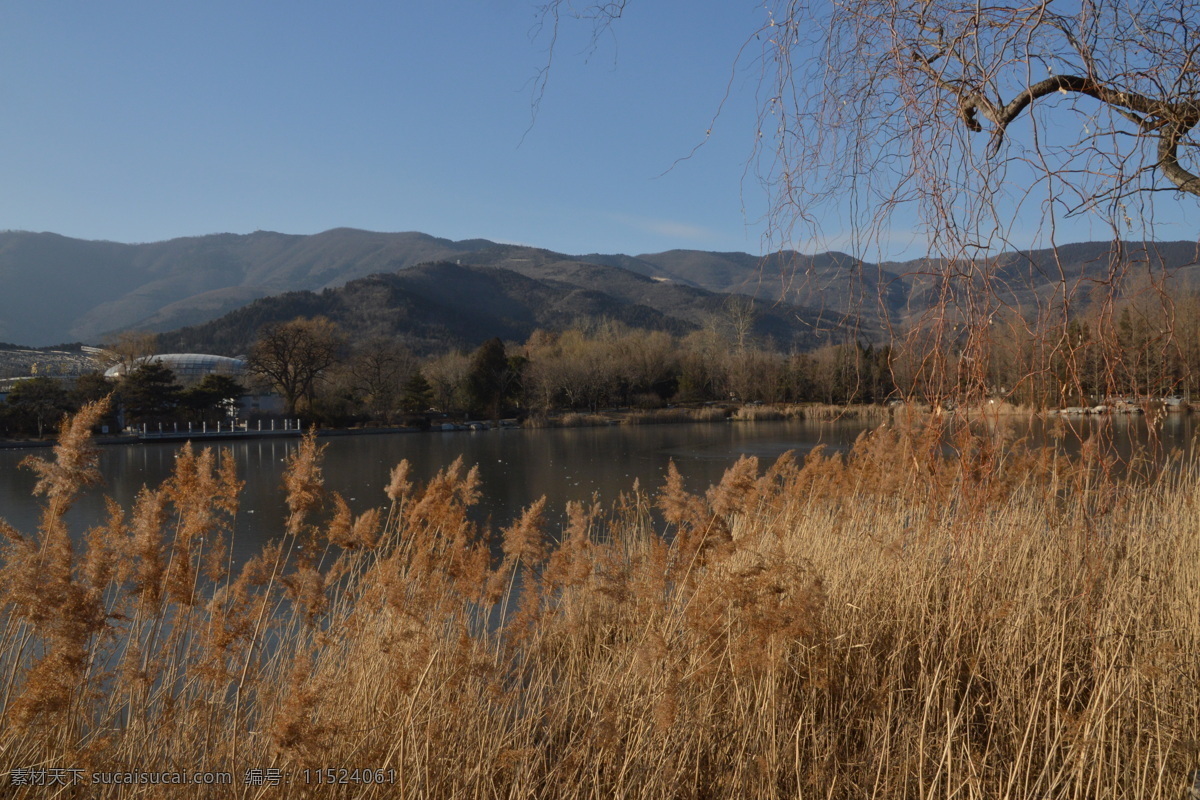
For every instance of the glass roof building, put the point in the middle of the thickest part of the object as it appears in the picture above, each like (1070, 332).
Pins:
(188, 366)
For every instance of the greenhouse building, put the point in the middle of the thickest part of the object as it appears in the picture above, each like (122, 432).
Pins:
(188, 367)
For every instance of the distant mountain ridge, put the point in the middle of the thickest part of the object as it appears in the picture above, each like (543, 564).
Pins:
(60, 289)
(57, 289)
(432, 307)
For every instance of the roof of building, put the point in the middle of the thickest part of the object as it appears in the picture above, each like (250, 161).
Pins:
(188, 364)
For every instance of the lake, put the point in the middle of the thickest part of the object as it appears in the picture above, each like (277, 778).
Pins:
(516, 466)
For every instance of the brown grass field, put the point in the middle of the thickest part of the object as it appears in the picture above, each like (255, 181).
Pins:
(897, 623)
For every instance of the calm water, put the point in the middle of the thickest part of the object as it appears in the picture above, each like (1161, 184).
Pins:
(516, 466)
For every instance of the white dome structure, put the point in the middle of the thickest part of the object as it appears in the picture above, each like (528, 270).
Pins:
(187, 366)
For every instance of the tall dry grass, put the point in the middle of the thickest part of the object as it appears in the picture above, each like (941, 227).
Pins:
(659, 416)
(999, 623)
(822, 412)
(654, 416)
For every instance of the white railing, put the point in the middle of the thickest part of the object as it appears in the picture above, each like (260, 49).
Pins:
(175, 430)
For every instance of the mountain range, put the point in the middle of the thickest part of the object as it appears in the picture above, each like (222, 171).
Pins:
(436, 306)
(58, 289)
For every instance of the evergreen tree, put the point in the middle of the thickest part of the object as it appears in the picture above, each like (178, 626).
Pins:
(417, 393)
(492, 379)
(92, 386)
(149, 393)
(214, 397)
(37, 403)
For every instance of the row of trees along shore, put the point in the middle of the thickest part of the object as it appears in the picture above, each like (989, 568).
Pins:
(149, 393)
(320, 374)
(1131, 351)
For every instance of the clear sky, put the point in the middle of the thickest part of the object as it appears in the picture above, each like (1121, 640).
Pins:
(140, 121)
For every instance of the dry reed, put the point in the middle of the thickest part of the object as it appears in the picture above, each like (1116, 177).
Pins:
(895, 623)
(875, 414)
(658, 416)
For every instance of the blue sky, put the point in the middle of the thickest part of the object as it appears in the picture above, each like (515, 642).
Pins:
(141, 121)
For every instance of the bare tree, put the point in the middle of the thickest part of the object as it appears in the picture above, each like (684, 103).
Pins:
(128, 349)
(294, 355)
(379, 367)
(740, 317)
(1134, 60)
(979, 127)
(447, 376)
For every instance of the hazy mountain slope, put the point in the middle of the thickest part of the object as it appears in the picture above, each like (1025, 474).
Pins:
(787, 324)
(56, 289)
(639, 265)
(429, 306)
(49, 281)
(433, 306)
(675, 298)
(336, 256)
(835, 282)
(200, 308)
(1027, 281)
(718, 272)
(1035, 282)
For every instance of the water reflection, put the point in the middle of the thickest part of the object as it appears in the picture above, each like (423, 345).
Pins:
(519, 466)
(1125, 439)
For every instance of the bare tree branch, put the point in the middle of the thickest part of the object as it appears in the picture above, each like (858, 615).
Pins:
(867, 119)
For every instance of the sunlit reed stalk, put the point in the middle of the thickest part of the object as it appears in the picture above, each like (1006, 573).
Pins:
(935, 614)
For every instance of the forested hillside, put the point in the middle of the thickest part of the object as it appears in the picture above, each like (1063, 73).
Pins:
(435, 307)
(96, 289)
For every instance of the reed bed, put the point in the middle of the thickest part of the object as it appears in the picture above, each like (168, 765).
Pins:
(571, 419)
(655, 416)
(767, 413)
(658, 416)
(895, 623)
(820, 412)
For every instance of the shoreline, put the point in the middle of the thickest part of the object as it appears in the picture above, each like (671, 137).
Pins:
(567, 419)
(709, 413)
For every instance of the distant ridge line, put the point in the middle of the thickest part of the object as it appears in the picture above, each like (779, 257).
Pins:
(60, 289)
